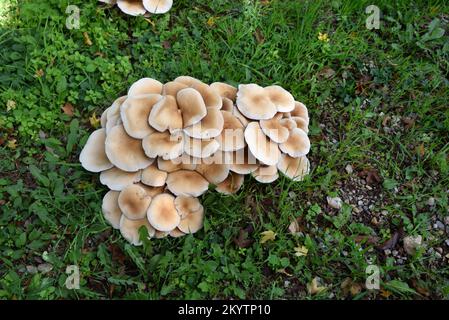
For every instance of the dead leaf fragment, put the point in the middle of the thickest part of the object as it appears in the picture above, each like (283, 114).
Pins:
(94, 121)
(68, 109)
(314, 286)
(268, 235)
(87, 40)
(301, 251)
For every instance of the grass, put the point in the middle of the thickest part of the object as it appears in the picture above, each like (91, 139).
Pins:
(378, 100)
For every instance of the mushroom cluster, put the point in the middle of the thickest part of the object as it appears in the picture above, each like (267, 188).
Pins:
(141, 7)
(161, 146)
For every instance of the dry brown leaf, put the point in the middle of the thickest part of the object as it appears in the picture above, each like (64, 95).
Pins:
(68, 109)
(87, 40)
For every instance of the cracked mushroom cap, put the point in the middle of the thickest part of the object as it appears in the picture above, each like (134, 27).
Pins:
(192, 222)
(124, 152)
(232, 184)
(225, 90)
(145, 85)
(210, 126)
(162, 213)
(192, 106)
(186, 204)
(135, 112)
(275, 129)
(266, 174)
(294, 168)
(172, 88)
(187, 183)
(232, 136)
(261, 146)
(110, 208)
(93, 156)
(301, 111)
(200, 148)
(165, 115)
(243, 162)
(163, 144)
(134, 201)
(153, 177)
(254, 102)
(297, 144)
(157, 6)
(117, 179)
(130, 229)
(183, 162)
(281, 98)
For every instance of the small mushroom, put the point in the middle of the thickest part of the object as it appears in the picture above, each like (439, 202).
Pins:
(117, 179)
(274, 129)
(297, 144)
(165, 115)
(260, 146)
(266, 174)
(113, 114)
(188, 183)
(301, 111)
(153, 177)
(157, 6)
(232, 184)
(186, 204)
(254, 103)
(93, 157)
(130, 229)
(301, 123)
(145, 85)
(210, 126)
(281, 98)
(225, 90)
(192, 222)
(200, 148)
(162, 213)
(134, 113)
(163, 144)
(243, 162)
(124, 152)
(232, 136)
(192, 106)
(294, 168)
(111, 210)
(134, 201)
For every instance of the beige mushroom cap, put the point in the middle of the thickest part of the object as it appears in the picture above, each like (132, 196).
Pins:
(228, 105)
(301, 123)
(232, 184)
(215, 169)
(110, 208)
(294, 168)
(200, 148)
(243, 162)
(187, 183)
(113, 114)
(154, 177)
(232, 136)
(130, 229)
(188, 80)
(124, 152)
(165, 115)
(211, 98)
(162, 213)
(117, 179)
(254, 103)
(275, 130)
(163, 144)
(172, 88)
(145, 86)
(185, 205)
(210, 126)
(176, 233)
(300, 111)
(157, 6)
(266, 174)
(192, 222)
(104, 118)
(161, 234)
(151, 191)
(183, 162)
(297, 144)
(244, 120)
(282, 99)
(225, 90)
(131, 7)
(260, 146)
(134, 113)
(134, 201)
(93, 156)
(192, 106)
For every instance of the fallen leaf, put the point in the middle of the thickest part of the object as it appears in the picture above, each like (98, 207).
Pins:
(211, 21)
(326, 73)
(259, 36)
(301, 251)
(390, 243)
(385, 293)
(371, 176)
(368, 239)
(68, 109)
(87, 40)
(314, 286)
(10, 105)
(39, 73)
(242, 240)
(166, 44)
(283, 271)
(94, 121)
(420, 150)
(12, 144)
(267, 236)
